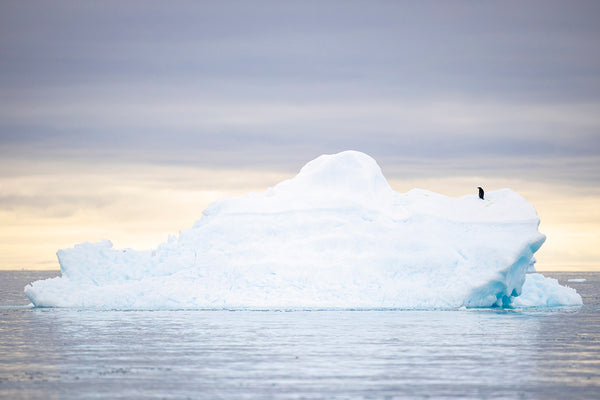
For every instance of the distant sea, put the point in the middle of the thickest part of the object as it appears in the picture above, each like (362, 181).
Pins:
(474, 354)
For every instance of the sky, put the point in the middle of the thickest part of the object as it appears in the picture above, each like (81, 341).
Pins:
(123, 120)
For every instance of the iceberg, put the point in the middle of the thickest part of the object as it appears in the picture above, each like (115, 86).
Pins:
(540, 291)
(335, 236)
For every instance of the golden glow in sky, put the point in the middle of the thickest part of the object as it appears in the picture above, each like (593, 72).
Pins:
(139, 206)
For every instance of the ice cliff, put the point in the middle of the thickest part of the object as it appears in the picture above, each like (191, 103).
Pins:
(334, 236)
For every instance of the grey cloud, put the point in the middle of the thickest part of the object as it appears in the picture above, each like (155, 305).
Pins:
(507, 49)
(277, 83)
(444, 130)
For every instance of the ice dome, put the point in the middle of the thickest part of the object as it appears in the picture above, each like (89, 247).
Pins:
(334, 236)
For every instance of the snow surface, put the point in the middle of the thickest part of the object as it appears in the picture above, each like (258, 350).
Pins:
(334, 236)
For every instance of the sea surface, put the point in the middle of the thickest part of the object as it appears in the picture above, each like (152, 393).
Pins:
(470, 354)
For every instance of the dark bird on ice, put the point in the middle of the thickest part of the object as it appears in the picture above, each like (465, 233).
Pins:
(480, 192)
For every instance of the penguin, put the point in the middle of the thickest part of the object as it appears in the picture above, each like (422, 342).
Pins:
(480, 192)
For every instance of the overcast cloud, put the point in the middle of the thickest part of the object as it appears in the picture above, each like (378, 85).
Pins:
(259, 83)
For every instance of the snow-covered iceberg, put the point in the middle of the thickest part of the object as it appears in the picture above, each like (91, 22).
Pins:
(334, 236)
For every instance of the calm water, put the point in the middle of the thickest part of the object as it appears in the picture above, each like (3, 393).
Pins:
(70, 354)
